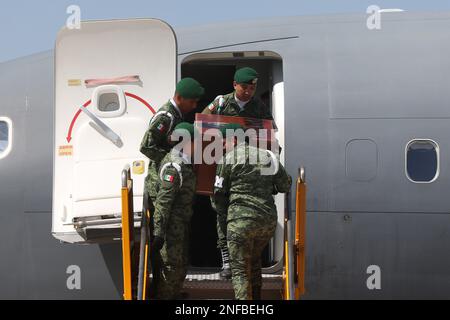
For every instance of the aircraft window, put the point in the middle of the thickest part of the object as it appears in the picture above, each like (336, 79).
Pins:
(109, 102)
(5, 137)
(422, 161)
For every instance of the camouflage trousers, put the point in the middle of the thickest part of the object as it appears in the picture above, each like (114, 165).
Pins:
(174, 260)
(221, 232)
(151, 182)
(247, 238)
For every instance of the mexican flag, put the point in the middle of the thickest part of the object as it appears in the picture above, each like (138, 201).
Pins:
(168, 178)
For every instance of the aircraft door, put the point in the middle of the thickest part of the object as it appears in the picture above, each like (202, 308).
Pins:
(110, 78)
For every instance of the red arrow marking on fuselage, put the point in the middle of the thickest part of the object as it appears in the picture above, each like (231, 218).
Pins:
(140, 100)
(69, 135)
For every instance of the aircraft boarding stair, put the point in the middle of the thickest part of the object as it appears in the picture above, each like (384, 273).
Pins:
(201, 283)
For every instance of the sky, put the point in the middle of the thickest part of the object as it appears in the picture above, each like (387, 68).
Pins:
(30, 26)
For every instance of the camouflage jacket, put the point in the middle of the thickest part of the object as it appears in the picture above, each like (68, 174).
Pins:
(176, 191)
(227, 106)
(244, 188)
(155, 144)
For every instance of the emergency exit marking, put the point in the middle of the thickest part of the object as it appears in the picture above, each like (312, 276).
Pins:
(88, 103)
(65, 151)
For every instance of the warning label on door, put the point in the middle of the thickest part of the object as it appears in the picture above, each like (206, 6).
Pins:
(65, 151)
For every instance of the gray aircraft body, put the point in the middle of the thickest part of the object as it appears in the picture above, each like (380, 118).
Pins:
(366, 112)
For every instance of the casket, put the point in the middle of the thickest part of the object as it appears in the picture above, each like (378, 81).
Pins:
(206, 123)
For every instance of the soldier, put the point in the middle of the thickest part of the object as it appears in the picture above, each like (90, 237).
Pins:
(243, 198)
(155, 144)
(173, 212)
(242, 103)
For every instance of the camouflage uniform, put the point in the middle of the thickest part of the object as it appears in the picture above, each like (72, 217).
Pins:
(227, 106)
(155, 144)
(243, 198)
(172, 216)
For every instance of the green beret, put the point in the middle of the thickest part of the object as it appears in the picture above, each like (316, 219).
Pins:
(246, 75)
(189, 127)
(229, 126)
(190, 89)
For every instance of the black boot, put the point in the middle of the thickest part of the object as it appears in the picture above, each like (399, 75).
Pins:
(225, 274)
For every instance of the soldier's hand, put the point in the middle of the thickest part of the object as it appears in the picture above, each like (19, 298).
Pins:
(157, 243)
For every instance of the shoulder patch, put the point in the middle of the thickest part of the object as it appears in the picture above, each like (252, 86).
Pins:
(162, 127)
(221, 101)
(217, 103)
(170, 178)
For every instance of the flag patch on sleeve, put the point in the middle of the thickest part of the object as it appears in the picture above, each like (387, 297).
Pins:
(168, 178)
(161, 127)
(212, 107)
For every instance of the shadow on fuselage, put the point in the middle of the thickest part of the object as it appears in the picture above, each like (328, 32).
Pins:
(112, 255)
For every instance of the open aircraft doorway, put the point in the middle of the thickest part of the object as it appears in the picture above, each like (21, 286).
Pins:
(216, 71)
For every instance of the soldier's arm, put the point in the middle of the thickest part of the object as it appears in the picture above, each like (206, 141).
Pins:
(220, 199)
(156, 135)
(168, 190)
(282, 181)
(213, 106)
(207, 110)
